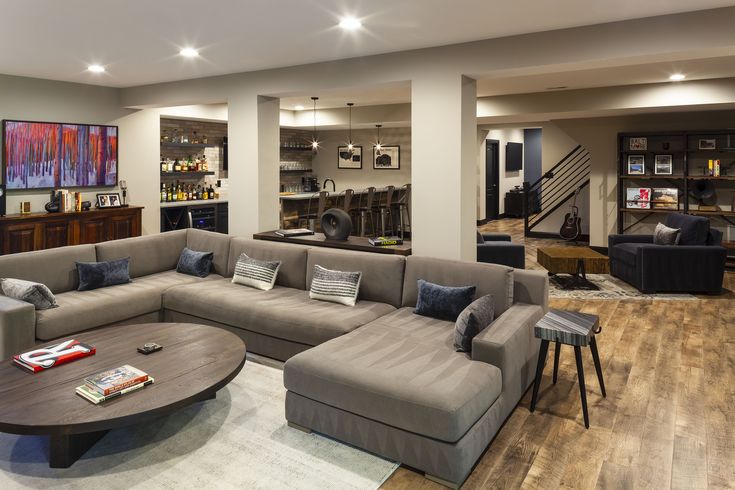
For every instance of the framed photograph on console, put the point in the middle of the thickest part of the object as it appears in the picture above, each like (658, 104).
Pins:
(663, 164)
(349, 160)
(387, 157)
(109, 200)
(636, 165)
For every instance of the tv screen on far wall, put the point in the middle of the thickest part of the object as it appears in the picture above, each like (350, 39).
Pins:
(41, 155)
(513, 156)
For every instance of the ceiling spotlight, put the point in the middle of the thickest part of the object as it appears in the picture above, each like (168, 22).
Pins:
(299, 108)
(350, 23)
(96, 68)
(189, 52)
(677, 77)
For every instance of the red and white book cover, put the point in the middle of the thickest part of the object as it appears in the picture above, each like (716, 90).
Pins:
(53, 355)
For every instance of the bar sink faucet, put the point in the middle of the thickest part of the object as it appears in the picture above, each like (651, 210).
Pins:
(324, 185)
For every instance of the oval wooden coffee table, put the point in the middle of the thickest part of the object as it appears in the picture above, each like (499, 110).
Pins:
(196, 362)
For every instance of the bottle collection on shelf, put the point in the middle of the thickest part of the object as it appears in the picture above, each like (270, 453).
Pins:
(175, 192)
(178, 136)
(197, 164)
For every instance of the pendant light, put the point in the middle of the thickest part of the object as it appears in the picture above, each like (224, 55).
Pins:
(314, 140)
(378, 145)
(350, 144)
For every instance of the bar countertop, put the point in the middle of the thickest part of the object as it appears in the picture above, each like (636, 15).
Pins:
(306, 195)
(199, 202)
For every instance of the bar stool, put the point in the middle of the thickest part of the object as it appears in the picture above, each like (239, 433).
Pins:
(403, 206)
(383, 209)
(362, 212)
(347, 200)
(310, 217)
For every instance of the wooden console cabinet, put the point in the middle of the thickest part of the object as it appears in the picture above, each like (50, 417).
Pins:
(37, 231)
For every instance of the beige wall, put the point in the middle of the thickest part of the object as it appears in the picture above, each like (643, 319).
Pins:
(325, 161)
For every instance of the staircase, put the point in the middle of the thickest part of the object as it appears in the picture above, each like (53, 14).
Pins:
(555, 188)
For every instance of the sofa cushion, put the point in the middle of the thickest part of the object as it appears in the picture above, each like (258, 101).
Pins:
(627, 253)
(694, 229)
(488, 278)
(148, 254)
(292, 273)
(284, 313)
(55, 267)
(209, 241)
(382, 275)
(82, 310)
(400, 370)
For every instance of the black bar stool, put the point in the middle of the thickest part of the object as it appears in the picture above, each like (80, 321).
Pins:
(402, 208)
(347, 195)
(310, 217)
(383, 209)
(362, 211)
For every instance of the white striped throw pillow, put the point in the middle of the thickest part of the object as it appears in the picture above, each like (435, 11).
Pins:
(335, 286)
(260, 274)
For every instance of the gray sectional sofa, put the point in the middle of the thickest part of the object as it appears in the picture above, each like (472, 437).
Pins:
(375, 375)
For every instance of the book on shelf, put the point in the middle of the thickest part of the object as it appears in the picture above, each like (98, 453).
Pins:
(296, 232)
(385, 241)
(95, 397)
(54, 355)
(114, 380)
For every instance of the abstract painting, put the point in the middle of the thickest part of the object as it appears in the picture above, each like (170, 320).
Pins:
(40, 155)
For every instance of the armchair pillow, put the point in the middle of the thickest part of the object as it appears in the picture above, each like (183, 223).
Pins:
(93, 275)
(663, 235)
(195, 263)
(473, 320)
(35, 293)
(442, 302)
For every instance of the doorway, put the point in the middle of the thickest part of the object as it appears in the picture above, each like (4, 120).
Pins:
(492, 179)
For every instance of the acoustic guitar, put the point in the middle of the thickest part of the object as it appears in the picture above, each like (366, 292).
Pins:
(571, 229)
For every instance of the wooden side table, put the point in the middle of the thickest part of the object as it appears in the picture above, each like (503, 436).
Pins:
(569, 328)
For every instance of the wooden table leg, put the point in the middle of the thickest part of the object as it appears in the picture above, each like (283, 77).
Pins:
(582, 387)
(598, 367)
(557, 351)
(542, 350)
(66, 449)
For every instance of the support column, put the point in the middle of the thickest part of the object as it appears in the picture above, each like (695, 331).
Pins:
(253, 141)
(444, 166)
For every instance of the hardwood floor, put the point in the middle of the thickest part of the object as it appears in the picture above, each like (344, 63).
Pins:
(669, 417)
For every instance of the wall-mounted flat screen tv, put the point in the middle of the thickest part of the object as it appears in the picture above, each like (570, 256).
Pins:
(513, 156)
(42, 155)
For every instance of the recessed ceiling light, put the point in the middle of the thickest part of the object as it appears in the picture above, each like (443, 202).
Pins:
(189, 52)
(350, 23)
(299, 108)
(677, 77)
(96, 68)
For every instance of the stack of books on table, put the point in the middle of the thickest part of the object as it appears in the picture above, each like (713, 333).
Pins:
(385, 241)
(113, 383)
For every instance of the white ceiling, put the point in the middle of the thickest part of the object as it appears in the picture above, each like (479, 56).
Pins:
(138, 40)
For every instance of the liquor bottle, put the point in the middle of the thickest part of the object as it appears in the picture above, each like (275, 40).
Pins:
(205, 194)
(169, 194)
(163, 192)
(210, 192)
(205, 140)
(177, 165)
(190, 193)
(170, 164)
(199, 192)
(164, 166)
(192, 165)
(195, 138)
(174, 193)
(205, 164)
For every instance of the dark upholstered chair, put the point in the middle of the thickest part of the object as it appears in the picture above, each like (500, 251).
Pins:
(496, 248)
(695, 265)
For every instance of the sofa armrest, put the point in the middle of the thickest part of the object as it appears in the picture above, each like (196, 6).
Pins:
(531, 287)
(503, 253)
(682, 267)
(613, 240)
(510, 345)
(495, 237)
(17, 326)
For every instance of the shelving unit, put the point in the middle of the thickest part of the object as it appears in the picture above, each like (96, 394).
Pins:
(193, 175)
(193, 146)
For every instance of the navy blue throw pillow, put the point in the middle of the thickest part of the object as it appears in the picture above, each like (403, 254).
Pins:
(93, 275)
(443, 302)
(195, 263)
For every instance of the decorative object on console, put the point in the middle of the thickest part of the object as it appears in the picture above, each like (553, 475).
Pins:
(663, 164)
(336, 224)
(195, 263)
(53, 355)
(259, 274)
(665, 198)
(25, 207)
(86, 205)
(294, 232)
(473, 320)
(54, 204)
(94, 275)
(35, 293)
(638, 198)
(335, 286)
(442, 302)
(663, 235)
(124, 189)
(109, 200)
(385, 241)
(636, 165)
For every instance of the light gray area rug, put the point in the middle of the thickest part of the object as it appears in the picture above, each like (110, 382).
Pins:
(239, 440)
(610, 288)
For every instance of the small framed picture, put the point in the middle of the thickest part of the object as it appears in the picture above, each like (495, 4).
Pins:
(667, 198)
(109, 200)
(638, 144)
(349, 159)
(387, 158)
(663, 164)
(636, 165)
(707, 144)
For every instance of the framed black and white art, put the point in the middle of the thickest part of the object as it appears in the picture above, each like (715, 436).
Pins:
(349, 159)
(662, 164)
(387, 157)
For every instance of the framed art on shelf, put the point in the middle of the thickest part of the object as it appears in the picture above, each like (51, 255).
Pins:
(349, 160)
(638, 144)
(707, 144)
(636, 165)
(109, 200)
(638, 198)
(665, 198)
(663, 164)
(387, 158)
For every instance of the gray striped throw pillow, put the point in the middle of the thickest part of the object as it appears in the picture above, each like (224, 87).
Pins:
(260, 274)
(335, 286)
